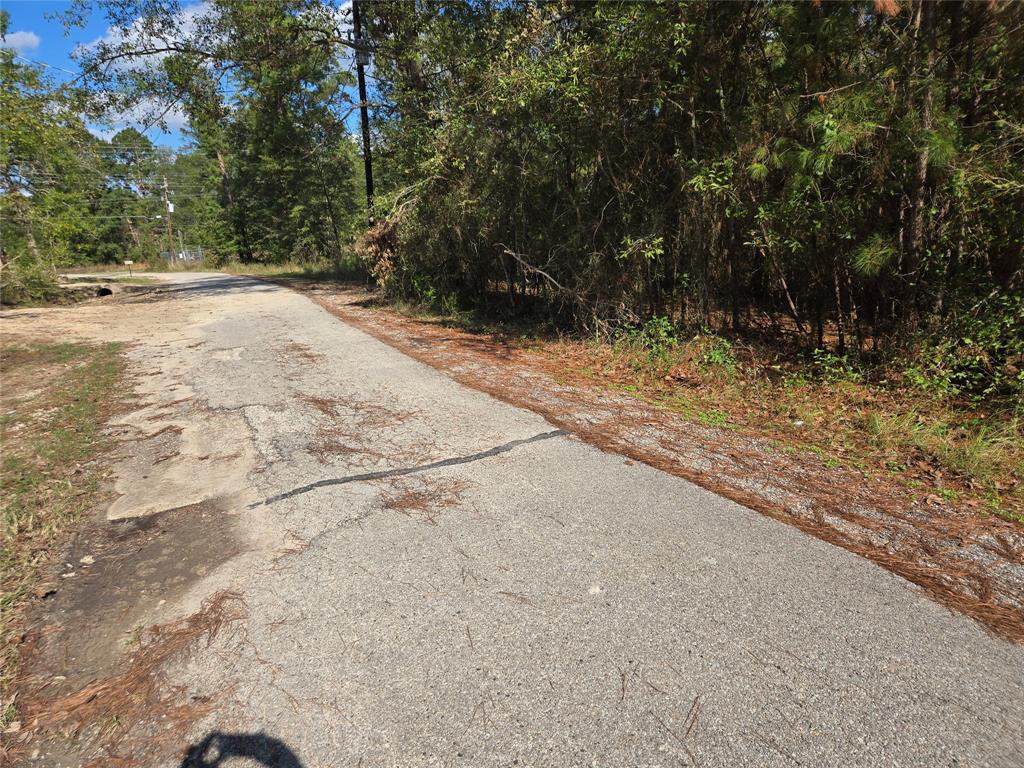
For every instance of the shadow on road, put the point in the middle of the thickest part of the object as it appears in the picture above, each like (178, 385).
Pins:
(218, 749)
(200, 287)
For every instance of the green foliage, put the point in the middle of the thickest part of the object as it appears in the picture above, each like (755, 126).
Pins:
(619, 162)
(717, 353)
(981, 355)
(832, 367)
(713, 418)
(873, 256)
(423, 290)
(27, 282)
(657, 336)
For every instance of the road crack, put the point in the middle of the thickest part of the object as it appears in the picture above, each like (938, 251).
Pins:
(365, 476)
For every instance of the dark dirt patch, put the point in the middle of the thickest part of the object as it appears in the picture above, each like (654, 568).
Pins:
(91, 664)
(303, 352)
(969, 562)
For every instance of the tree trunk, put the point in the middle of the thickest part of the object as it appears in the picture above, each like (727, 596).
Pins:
(924, 22)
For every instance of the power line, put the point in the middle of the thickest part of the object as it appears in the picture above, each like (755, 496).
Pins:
(92, 217)
(44, 64)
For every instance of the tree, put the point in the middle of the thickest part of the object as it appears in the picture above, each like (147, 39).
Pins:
(851, 171)
(265, 90)
(48, 177)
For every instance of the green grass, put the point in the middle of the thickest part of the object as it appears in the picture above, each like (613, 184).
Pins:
(56, 399)
(970, 448)
(713, 417)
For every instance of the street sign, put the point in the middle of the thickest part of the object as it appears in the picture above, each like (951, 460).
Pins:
(128, 263)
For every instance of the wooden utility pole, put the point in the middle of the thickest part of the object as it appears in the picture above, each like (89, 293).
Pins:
(169, 206)
(363, 58)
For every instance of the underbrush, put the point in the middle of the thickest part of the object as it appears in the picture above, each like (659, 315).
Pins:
(55, 399)
(27, 283)
(879, 419)
(347, 269)
(322, 270)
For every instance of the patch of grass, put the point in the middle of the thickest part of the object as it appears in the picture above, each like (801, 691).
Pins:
(986, 451)
(348, 269)
(713, 417)
(55, 400)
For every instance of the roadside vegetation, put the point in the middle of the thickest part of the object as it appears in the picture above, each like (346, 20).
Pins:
(889, 420)
(55, 399)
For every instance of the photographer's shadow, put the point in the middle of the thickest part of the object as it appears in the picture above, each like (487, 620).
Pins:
(218, 749)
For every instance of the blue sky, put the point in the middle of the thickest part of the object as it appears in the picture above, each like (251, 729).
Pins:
(36, 36)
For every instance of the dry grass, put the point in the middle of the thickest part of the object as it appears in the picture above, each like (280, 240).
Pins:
(55, 400)
(424, 499)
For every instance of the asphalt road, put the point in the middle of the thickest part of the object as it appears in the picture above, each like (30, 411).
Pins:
(435, 578)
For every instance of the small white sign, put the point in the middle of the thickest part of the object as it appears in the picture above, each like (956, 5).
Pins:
(170, 207)
(129, 263)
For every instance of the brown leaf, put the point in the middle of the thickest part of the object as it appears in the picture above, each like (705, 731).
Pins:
(887, 7)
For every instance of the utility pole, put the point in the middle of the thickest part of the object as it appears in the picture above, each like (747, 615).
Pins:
(362, 59)
(170, 209)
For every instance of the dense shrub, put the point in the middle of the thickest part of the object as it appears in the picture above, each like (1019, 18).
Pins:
(853, 171)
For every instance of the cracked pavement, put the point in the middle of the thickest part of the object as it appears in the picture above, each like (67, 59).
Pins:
(435, 578)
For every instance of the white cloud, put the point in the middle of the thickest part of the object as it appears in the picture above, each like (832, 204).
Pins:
(139, 117)
(21, 42)
(103, 132)
(185, 23)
